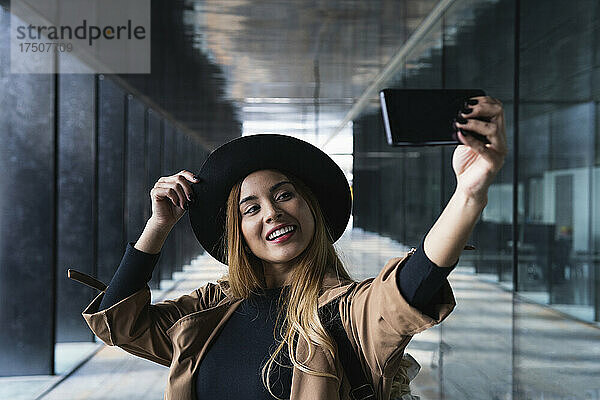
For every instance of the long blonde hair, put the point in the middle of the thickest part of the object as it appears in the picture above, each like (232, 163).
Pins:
(301, 302)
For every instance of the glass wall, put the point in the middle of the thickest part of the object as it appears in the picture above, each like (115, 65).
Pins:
(527, 321)
(558, 236)
(479, 53)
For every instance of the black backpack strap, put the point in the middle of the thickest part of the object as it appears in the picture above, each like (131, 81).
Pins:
(360, 388)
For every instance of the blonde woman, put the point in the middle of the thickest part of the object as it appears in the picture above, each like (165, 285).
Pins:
(287, 320)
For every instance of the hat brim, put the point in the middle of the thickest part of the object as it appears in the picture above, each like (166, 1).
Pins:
(238, 158)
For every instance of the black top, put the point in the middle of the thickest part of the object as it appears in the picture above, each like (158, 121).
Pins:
(247, 338)
(244, 346)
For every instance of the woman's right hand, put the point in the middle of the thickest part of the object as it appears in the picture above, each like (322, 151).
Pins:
(169, 197)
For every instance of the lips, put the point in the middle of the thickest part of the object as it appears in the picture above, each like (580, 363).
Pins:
(283, 238)
(276, 228)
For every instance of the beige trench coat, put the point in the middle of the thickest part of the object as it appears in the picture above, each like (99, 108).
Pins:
(177, 333)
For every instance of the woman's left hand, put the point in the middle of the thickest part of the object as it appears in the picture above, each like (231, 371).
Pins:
(476, 163)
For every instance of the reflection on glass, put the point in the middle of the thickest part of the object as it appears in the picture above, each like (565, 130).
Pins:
(478, 49)
(557, 357)
(523, 342)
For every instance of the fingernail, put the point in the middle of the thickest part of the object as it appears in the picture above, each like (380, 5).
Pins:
(454, 125)
(461, 120)
(466, 110)
(472, 102)
(196, 178)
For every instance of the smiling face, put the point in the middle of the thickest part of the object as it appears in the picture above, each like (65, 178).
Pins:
(277, 223)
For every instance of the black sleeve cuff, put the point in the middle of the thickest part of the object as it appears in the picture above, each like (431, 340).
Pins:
(420, 278)
(134, 272)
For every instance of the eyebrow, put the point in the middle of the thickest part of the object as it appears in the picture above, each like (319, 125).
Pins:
(273, 188)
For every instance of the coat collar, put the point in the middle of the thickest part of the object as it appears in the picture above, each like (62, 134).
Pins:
(333, 287)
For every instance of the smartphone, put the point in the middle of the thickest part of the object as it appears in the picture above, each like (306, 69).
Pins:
(424, 117)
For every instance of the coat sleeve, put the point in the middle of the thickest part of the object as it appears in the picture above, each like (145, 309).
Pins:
(380, 322)
(139, 327)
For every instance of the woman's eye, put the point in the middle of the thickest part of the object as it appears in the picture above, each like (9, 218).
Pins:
(285, 195)
(249, 210)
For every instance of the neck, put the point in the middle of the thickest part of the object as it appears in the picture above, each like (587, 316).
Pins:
(276, 275)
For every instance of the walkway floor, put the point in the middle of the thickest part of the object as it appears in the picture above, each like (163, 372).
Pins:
(488, 341)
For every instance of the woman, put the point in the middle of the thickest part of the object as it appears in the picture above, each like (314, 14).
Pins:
(271, 207)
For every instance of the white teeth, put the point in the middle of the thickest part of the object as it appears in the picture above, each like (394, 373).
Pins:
(280, 232)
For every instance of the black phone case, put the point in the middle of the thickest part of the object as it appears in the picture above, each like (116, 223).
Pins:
(424, 117)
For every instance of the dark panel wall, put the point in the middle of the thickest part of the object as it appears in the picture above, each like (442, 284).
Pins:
(178, 230)
(135, 167)
(192, 157)
(76, 205)
(153, 169)
(167, 258)
(27, 234)
(111, 177)
(76, 189)
(78, 158)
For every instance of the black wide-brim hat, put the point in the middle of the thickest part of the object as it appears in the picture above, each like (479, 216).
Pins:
(236, 159)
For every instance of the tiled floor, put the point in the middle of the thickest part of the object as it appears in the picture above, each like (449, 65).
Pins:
(488, 341)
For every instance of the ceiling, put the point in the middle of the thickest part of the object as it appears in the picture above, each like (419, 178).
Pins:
(297, 66)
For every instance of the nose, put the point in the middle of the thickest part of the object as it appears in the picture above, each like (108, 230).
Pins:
(272, 213)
